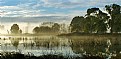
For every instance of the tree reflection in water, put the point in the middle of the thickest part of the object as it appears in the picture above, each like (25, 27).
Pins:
(62, 45)
(15, 42)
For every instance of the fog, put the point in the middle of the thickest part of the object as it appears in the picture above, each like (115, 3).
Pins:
(25, 27)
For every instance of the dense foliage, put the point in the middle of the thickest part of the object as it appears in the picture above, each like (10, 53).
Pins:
(46, 29)
(15, 29)
(96, 21)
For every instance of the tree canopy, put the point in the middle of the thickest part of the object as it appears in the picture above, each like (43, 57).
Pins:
(115, 20)
(77, 24)
(46, 29)
(97, 21)
(15, 29)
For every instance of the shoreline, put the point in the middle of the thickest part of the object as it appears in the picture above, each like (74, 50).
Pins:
(66, 34)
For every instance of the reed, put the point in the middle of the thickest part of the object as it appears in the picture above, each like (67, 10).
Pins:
(18, 55)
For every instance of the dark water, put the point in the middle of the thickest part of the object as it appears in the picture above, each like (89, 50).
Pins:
(67, 46)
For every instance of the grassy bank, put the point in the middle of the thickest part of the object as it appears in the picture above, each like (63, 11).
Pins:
(17, 55)
(64, 34)
(90, 34)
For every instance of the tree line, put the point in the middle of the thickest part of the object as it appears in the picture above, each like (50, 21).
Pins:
(97, 21)
(55, 28)
(46, 29)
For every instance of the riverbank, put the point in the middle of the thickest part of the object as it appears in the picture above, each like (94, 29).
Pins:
(18, 55)
(51, 34)
(64, 34)
(88, 34)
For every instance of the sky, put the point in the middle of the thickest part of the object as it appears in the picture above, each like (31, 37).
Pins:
(62, 11)
(47, 10)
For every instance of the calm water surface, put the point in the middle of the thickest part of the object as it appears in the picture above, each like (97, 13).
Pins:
(71, 46)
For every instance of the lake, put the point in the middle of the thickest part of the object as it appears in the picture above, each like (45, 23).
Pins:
(66, 46)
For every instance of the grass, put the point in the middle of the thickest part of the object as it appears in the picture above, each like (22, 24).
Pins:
(17, 55)
(89, 34)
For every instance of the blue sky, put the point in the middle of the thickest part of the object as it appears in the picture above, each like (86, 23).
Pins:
(50, 8)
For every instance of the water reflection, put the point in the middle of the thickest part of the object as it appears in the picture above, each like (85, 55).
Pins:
(60, 45)
(107, 46)
(37, 45)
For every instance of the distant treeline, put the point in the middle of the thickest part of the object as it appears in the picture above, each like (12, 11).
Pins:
(55, 28)
(46, 29)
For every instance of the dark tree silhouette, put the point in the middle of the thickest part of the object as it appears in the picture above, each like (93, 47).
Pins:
(15, 29)
(98, 20)
(42, 29)
(20, 31)
(45, 29)
(36, 30)
(90, 24)
(93, 22)
(115, 20)
(77, 24)
(92, 10)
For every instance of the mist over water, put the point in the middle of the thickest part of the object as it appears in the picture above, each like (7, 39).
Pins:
(30, 22)
(36, 19)
(25, 27)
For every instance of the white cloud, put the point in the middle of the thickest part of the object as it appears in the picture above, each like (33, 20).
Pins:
(76, 3)
(18, 11)
(24, 10)
(67, 3)
(10, 8)
(60, 4)
(30, 9)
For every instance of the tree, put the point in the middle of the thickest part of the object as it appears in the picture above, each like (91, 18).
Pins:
(36, 30)
(96, 21)
(45, 29)
(77, 24)
(90, 24)
(117, 24)
(102, 24)
(15, 29)
(56, 27)
(114, 11)
(20, 31)
(42, 29)
(92, 10)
